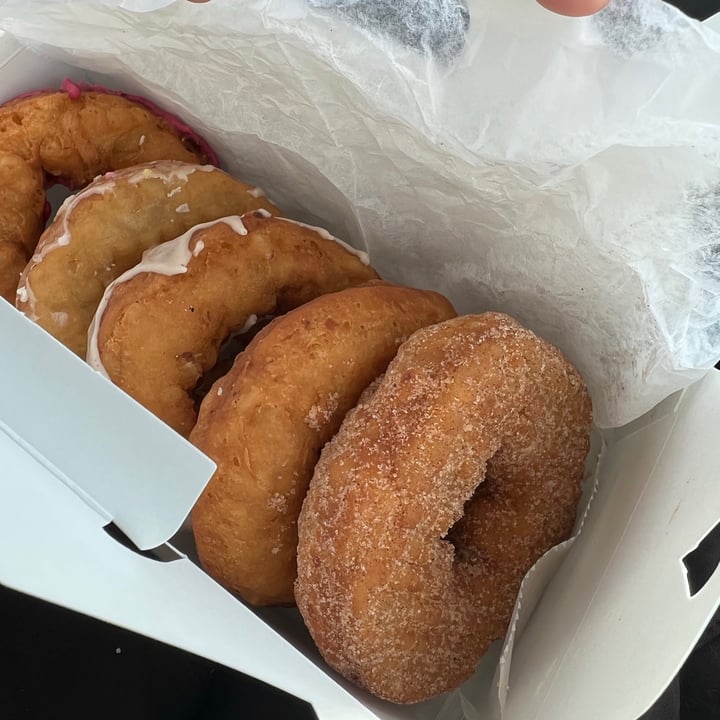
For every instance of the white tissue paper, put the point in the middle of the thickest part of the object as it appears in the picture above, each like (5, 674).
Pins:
(566, 171)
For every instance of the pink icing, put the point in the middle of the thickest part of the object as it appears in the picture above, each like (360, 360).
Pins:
(75, 90)
(71, 89)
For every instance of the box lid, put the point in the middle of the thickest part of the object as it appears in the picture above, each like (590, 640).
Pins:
(618, 620)
(714, 22)
(54, 548)
(93, 437)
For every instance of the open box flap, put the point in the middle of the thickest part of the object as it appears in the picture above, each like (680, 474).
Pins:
(113, 463)
(93, 437)
(61, 554)
(617, 621)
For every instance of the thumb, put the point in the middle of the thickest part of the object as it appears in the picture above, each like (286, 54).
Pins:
(574, 8)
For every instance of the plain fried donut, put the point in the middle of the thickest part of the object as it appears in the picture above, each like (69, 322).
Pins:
(160, 325)
(70, 137)
(441, 489)
(265, 422)
(22, 207)
(101, 232)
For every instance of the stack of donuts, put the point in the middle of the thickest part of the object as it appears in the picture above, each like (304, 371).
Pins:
(389, 467)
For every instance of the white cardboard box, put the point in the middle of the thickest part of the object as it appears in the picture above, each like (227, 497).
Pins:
(614, 625)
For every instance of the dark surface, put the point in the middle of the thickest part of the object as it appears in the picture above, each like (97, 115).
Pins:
(58, 664)
(700, 9)
(695, 693)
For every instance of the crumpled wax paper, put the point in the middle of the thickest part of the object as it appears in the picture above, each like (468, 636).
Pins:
(566, 171)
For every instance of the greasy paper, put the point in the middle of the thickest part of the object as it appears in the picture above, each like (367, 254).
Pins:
(565, 171)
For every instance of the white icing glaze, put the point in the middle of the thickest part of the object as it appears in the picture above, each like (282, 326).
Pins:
(25, 294)
(325, 235)
(99, 186)
(169, 258)
(257, 192)
(168, 171)
(252, 319)
(141, 141)
(184, 208)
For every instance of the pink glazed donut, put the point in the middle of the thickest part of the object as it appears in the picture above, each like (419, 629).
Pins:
(69, 137)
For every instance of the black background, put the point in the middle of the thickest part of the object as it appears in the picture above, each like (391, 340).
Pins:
(58, 664)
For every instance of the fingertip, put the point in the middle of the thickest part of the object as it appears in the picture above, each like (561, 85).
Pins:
(574, 8)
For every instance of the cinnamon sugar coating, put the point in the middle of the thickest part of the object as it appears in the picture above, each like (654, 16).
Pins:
(446, 483)
(266, 421)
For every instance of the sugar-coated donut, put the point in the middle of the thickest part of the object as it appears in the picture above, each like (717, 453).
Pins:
(70, 137)
(102, 231)
(160, 325)
(441, 489)
(265, 422)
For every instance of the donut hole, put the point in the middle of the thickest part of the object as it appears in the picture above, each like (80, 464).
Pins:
(192, 145)
(467, 553)
(230, 348)
(55, 196)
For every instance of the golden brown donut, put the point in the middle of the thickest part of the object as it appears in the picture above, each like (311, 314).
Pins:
(265, 422)
(160, 325)
(70, 137)
(22, 202)
(102, 231)
(441, 489)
